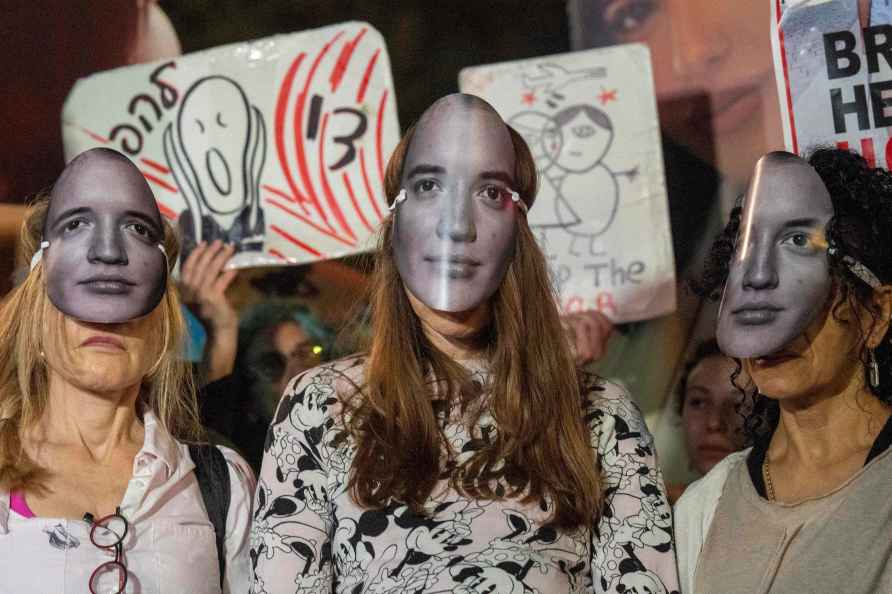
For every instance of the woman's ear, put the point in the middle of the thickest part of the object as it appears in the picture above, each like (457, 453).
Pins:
(882, 302)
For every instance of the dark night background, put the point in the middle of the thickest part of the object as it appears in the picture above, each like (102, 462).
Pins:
(429, 42)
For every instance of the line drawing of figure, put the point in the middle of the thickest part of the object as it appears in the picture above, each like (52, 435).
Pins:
(59, 538)
(217, 157)
(570, 148)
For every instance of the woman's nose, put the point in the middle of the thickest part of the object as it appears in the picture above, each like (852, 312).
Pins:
(457, 218)
(107, 247)
(760, 271)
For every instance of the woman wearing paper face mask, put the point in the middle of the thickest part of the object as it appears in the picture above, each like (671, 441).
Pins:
(462, 452)
(96, 494)
(806, 268)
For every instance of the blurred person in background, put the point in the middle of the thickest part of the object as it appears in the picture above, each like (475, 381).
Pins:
(709, 406)
(249, 356)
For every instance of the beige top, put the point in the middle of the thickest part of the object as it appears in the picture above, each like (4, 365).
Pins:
(839, 542)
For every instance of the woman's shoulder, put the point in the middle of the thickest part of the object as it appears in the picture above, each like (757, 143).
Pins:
(694, 512)
(609, 405)
(344, 375)
(703, 494)
(314, 397)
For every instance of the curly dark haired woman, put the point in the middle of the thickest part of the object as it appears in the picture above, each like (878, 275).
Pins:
(804, 271)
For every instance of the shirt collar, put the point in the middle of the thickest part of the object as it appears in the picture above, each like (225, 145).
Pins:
(158, 444)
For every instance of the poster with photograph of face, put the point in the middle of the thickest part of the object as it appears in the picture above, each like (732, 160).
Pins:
(277, 145)
(590, 119)
(833, 62)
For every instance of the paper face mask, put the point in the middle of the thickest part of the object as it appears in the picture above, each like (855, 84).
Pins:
(455, 229)
(104, 262)
(779, 276)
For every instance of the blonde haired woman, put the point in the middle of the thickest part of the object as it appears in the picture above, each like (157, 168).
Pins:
(97, 493)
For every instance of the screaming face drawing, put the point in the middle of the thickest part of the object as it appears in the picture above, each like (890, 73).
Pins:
(216, 151)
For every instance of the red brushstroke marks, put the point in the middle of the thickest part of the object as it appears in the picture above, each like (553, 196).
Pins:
(379, 129)
(783, 53)
(323, 175)
(299, 199)
(367, 76)
(287, 236)
(155, 165)
(368, 186)
(340, 67)
(277, 254)
(281, 105)
(298, 132)
(159, 182)
(90, 133)
(166, 211)
(309, 222)
(346, 179)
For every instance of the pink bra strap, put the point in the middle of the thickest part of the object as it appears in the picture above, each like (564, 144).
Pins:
(18, 504)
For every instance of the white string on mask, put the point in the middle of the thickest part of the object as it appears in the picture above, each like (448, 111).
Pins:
(401, 197)
(515, 198)
(38, 255)
(858, 269)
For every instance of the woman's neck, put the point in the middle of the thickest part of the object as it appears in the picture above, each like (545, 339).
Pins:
(455, 334)
(820, 431)
(97, 423)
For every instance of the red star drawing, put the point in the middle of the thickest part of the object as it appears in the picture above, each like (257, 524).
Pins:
(606, 96)
(528, 98)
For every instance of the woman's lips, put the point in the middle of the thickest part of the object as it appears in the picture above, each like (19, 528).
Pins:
(104, 341)
(454, 266)
(756, 315)
(111, 285)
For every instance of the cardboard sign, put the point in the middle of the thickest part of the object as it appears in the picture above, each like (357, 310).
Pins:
(601, 215)
(834, 76)
(277, 145)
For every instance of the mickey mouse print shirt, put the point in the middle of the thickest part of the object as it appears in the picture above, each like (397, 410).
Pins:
(309, 536)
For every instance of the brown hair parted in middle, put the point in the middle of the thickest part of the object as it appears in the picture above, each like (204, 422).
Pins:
(541, 446)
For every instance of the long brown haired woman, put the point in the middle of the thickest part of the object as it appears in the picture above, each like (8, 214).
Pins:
(463, 452)
(96, 492)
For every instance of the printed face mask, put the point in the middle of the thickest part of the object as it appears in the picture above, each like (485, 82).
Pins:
(104, 261)
(455, 227)
(779, 277)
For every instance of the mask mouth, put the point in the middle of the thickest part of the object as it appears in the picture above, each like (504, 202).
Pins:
(106, 284)
(756, 314)
(455, 259)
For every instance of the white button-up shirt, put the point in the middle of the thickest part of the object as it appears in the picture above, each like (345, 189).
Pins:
(170, 545)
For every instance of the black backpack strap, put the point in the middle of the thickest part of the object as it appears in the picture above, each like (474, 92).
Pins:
(212, 473)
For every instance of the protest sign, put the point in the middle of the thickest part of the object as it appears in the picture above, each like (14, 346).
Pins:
(834, 73)
(601, 215)
(277, 145)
